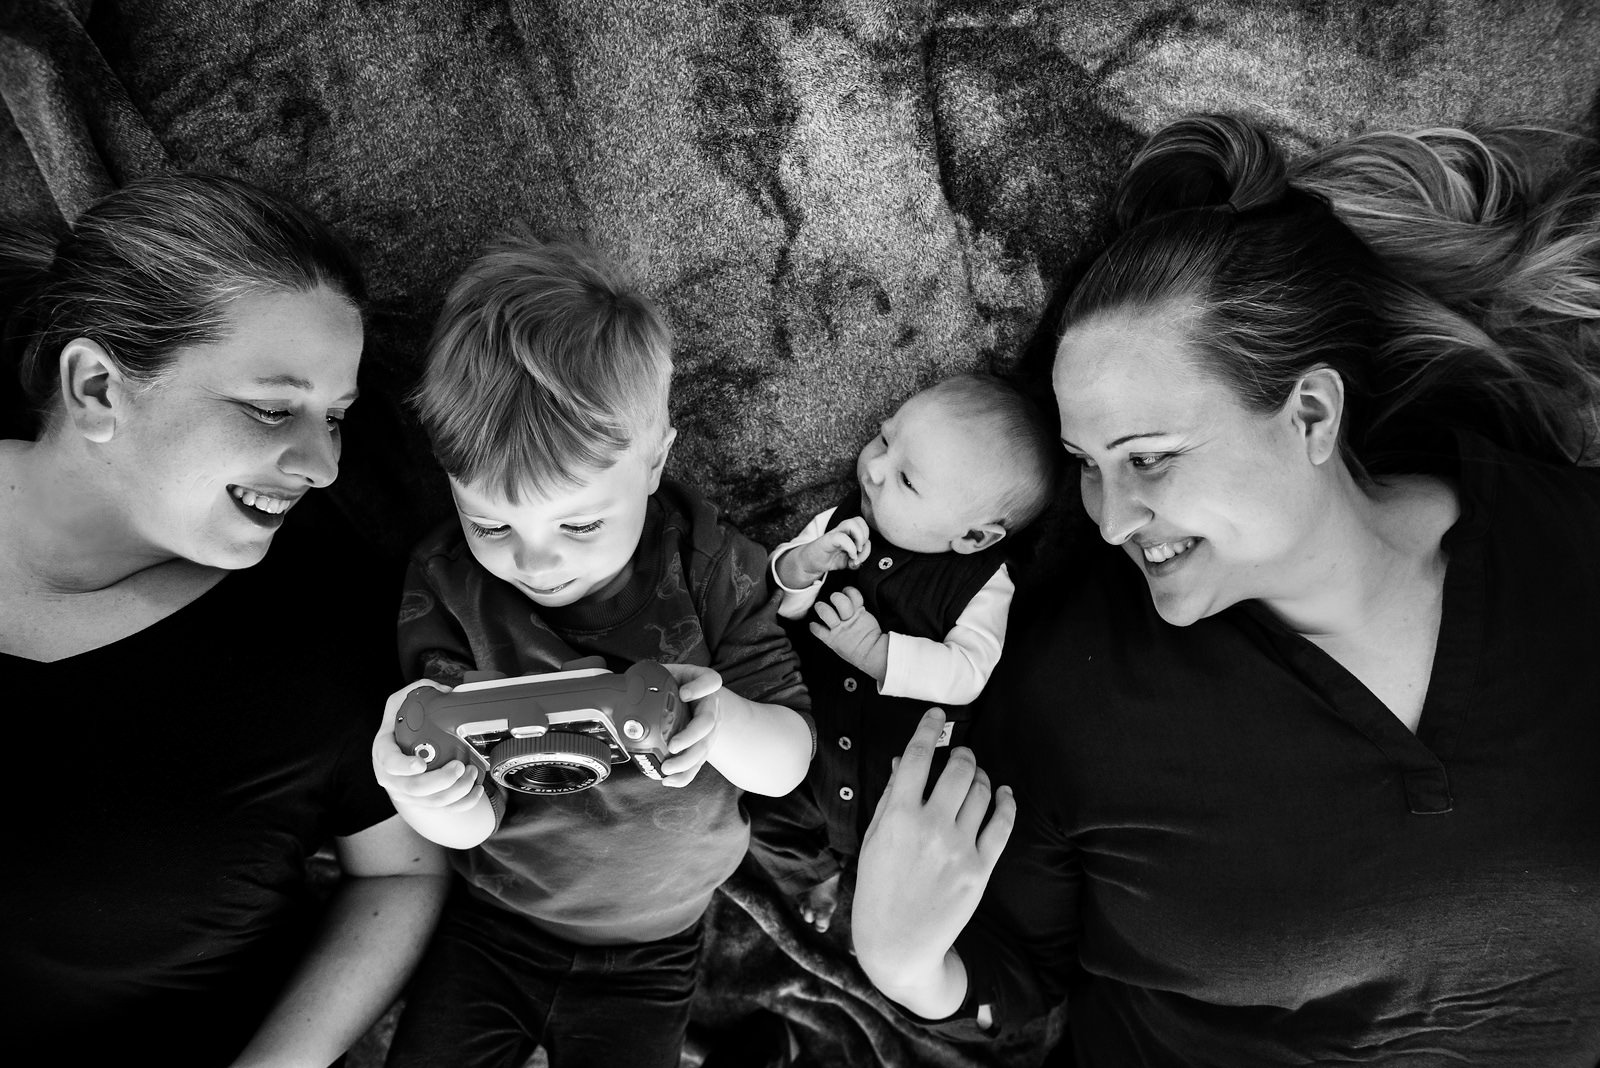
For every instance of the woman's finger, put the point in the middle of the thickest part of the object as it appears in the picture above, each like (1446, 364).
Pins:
(992, 839)
(954, 782)
(969, 817)
(910, 776)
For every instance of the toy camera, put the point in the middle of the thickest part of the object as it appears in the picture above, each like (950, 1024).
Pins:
(555, 733)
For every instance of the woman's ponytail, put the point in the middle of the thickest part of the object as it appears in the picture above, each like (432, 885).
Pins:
(1203, 161)
(1492, 297)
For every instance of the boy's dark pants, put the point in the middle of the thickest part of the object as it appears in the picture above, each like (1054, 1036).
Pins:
(492, 987)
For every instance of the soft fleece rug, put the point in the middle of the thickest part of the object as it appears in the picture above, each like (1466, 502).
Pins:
(834, 200)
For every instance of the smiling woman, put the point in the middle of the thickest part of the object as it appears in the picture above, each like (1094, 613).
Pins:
(188, 349)
(1307, 775)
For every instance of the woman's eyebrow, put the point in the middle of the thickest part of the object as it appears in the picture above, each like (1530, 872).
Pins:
(1122, 440)
(296, 382)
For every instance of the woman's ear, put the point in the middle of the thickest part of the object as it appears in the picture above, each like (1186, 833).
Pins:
(1317, 408)
(92, 388)
(978, 538)
(667, 439)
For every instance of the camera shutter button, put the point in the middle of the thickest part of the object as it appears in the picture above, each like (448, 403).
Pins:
(633, 729)
(425, 752)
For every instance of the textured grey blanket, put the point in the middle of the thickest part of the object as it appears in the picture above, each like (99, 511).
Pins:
(834, 200)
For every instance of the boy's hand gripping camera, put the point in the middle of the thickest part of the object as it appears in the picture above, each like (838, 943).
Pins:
(545, 734)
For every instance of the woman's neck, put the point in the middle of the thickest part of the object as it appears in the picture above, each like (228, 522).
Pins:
(62, 533)
(1377, 551)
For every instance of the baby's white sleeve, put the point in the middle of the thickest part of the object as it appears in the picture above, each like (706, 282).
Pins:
(796, 603)
(956, 669)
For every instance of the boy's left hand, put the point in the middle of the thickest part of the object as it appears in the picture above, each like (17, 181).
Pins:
(845, 626)
(700, 687)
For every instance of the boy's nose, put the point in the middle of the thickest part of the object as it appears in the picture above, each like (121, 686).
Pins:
(536, 559)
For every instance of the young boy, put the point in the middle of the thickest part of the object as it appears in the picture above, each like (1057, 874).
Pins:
(575, 921)
(909, 597)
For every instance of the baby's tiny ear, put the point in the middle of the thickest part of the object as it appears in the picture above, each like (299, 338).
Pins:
(978, 538)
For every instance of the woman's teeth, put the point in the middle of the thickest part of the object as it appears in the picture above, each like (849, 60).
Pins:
(1166, 550)
(260, 501)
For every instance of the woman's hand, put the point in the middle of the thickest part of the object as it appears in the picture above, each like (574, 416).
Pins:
(922, 871)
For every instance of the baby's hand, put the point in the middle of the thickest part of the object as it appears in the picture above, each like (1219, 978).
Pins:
(452, 786)
(844, 625)
(818, 904)
(846, 545)
(700, 687)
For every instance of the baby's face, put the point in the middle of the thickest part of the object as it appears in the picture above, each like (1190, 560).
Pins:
(575, 542)
(927, 478)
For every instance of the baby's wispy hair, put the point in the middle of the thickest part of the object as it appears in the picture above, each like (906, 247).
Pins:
(1022, 434)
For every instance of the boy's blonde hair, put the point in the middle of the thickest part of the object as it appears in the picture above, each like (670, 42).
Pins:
(545, 361)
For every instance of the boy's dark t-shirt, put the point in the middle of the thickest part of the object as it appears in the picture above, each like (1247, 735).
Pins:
(188, 772)
(628, 860)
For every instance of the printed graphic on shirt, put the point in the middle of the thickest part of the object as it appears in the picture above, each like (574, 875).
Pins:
(414, 605)
(743, 582)
(678, 640)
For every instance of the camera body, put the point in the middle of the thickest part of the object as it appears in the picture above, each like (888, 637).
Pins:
(553, 733)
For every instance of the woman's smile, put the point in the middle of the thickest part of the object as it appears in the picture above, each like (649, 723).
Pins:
(1163, 557)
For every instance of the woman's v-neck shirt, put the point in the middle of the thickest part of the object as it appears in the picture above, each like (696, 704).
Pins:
(1238, 856)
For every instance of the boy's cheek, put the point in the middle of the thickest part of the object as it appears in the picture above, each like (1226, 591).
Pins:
(488, 555)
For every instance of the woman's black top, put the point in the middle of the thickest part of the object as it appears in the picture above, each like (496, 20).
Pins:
(167, 792)
(1229, 853)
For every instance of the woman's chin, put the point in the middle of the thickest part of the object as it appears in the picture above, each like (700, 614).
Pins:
(1179, 607)
(231, 553)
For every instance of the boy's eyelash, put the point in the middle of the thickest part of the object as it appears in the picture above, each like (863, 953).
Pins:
(481, 531)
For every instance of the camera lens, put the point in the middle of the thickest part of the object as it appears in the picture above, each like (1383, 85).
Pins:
(558, 762)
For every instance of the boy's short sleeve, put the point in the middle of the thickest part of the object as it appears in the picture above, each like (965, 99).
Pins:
(739, 616)
(432, 643)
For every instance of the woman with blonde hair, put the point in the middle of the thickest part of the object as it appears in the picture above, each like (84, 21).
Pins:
(190, 711)
(1306, 776)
